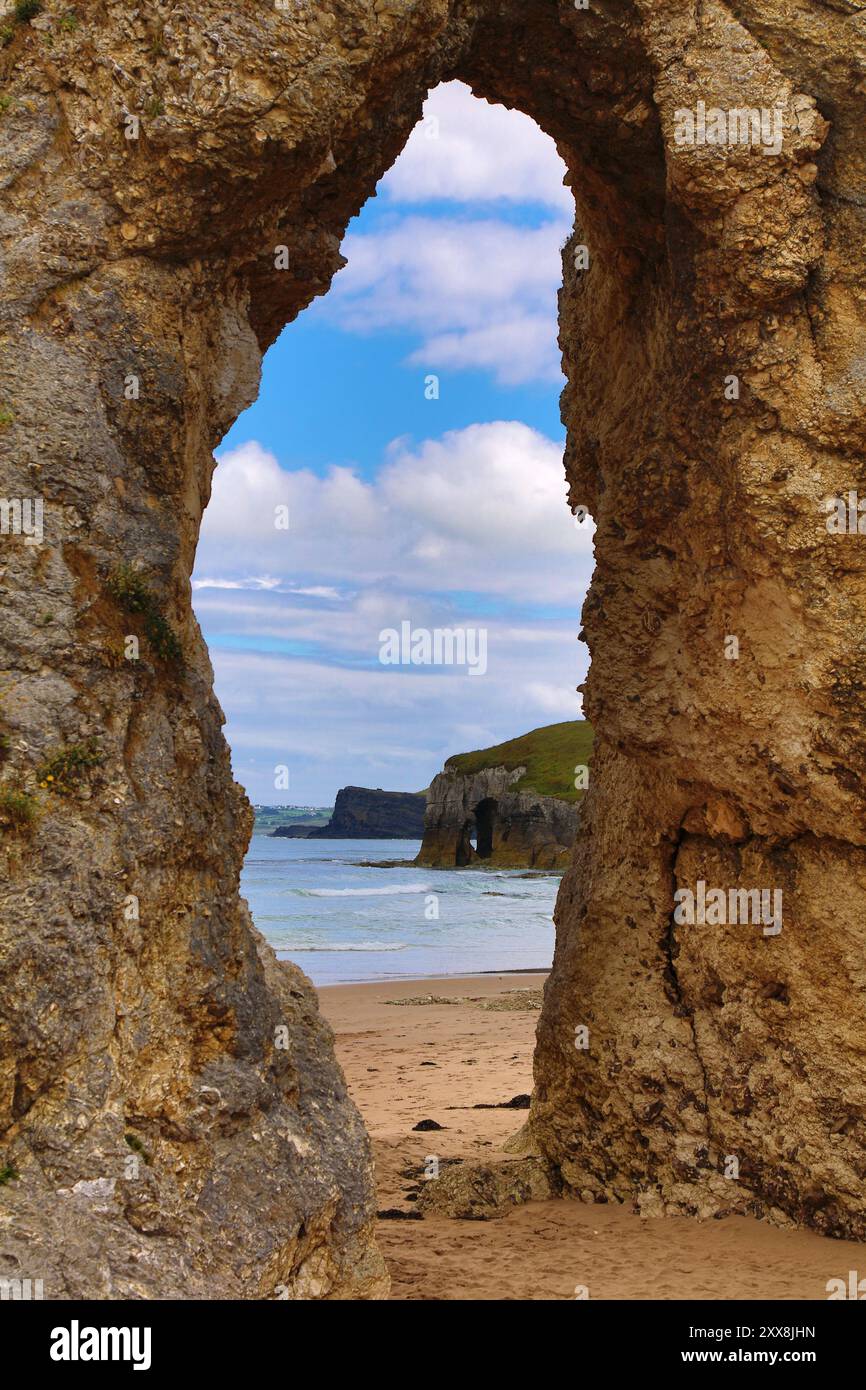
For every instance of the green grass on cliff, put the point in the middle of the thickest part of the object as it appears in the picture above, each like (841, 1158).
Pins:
(549, 755)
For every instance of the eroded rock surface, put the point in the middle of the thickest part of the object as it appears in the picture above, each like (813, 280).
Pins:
(487, 1191)
(139, 288)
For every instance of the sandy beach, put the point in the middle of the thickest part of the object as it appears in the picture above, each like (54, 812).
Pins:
(410, 1062)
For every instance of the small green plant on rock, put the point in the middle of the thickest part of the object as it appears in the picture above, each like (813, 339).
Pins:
(137, 1147)
(25, 10)
(131, 590)
(63, 770)
(6, 416)
(18, 810)
(69, 22)
(8, 1173)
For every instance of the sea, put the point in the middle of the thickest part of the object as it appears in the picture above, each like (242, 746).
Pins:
(331, 908)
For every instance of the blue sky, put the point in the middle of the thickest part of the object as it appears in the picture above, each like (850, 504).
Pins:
(445, 512)
(380, 384)
(380, 397)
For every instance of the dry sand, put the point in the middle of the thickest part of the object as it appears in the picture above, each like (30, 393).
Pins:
(412, 1062)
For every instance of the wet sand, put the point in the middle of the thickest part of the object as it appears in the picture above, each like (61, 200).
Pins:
(434, 1061)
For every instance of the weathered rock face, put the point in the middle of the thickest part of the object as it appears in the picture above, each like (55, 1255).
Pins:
(511, 829)
(367, 813)
(138, 290)
(736, 764)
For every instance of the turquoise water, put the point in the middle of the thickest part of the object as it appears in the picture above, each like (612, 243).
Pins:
(340, 921)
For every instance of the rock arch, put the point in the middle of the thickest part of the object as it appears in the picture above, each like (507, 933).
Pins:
(139, 291)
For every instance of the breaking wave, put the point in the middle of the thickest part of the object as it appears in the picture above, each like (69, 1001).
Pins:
(388, 892)
(345, 946)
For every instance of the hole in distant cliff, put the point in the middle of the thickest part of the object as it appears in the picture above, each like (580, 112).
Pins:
(485, 820)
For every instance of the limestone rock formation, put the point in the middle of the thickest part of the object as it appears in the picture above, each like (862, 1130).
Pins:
(487, 1191)
(510, 829)
(158, 164)
(514, 805)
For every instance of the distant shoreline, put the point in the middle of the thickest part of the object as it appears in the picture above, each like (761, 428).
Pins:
(425, 979)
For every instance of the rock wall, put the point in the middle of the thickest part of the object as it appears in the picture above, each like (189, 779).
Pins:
(153, 163)
(511, 829)
(722, 1069)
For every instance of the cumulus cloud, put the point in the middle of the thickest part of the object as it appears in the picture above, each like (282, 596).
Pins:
(514, 352)
(470, 150)
(480, 293)
(468, 530)
(481, 509)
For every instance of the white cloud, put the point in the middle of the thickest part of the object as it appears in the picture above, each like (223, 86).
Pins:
(264, 583)
(554, 701)
(488, 490)
(481, 509)
(317, 591)
(386, 727)
(468, 149)
(479, 289)
(514, 352)
(260, 582)
(294, 617)
(479, 293)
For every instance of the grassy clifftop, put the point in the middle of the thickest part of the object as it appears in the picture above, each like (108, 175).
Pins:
(549, 755)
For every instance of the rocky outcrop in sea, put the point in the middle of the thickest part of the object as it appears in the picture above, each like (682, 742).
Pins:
(480, 819)
(366, 813)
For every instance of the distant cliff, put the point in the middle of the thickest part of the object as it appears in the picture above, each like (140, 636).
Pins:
(362, 813)
(515, 805)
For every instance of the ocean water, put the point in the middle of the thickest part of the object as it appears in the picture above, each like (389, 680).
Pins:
(341, 921)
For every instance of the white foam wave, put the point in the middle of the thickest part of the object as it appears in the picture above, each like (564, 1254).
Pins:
(346, 946)
(364, 892)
